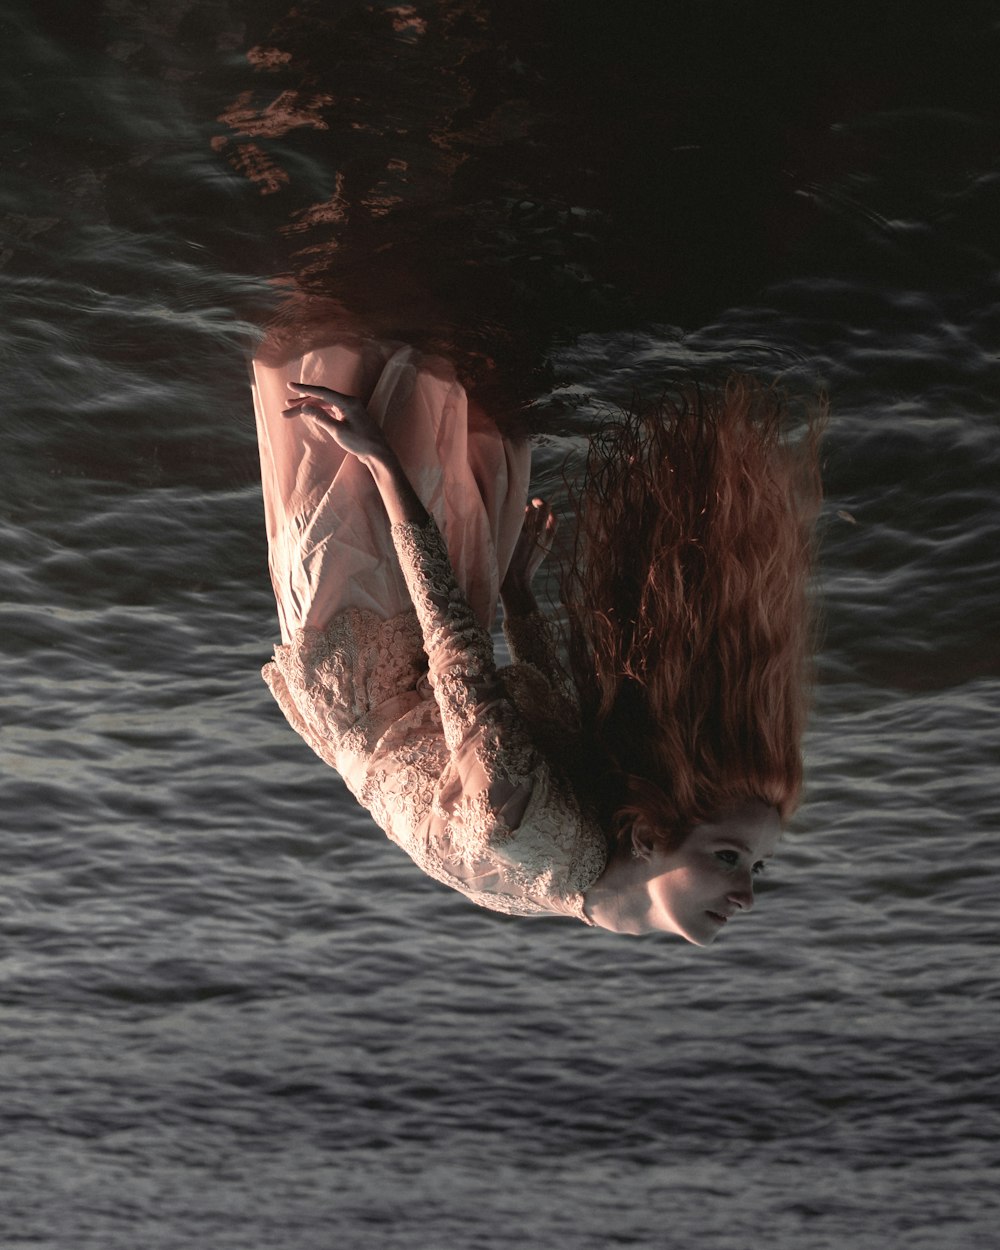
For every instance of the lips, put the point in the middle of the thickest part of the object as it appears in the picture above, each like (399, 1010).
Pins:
(717, 915)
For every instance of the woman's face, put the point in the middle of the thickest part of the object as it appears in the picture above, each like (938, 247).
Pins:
(697, 889)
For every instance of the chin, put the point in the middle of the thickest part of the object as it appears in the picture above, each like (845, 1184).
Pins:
(702, 936)
(698, 934)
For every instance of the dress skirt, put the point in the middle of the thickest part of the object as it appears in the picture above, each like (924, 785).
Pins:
(330, 546)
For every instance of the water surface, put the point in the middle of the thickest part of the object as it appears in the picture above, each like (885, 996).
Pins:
(233, 1015)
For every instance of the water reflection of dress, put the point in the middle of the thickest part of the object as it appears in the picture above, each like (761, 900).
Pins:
(407, 705)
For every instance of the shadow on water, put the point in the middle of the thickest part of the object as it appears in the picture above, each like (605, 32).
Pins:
(491, 180)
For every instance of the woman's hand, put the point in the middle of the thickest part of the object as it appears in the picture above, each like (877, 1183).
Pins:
(533, 544)
(354, 429)
(345, 416)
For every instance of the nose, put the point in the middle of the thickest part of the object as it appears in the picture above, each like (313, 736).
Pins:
(741, 892)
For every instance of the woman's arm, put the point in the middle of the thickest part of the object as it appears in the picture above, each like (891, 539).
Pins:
(533, 545)
(530, 635)
(354, 429)
(496, 761)
(459, 650)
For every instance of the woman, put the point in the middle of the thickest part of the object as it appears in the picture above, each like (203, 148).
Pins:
(395, 517)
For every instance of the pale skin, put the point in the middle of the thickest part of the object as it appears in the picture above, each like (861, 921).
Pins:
(693, 891)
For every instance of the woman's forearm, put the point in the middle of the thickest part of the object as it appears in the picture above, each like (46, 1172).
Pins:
(517, 599)
(533, 545)
(400, 499)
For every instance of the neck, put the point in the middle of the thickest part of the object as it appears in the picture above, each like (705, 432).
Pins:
(619, 899)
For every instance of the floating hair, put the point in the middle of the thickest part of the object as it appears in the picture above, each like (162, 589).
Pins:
(689, 619)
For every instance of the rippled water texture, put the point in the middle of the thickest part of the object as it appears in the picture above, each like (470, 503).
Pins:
(233, 1016)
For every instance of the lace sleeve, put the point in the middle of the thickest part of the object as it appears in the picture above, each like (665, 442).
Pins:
(486, 738)
(532, 639)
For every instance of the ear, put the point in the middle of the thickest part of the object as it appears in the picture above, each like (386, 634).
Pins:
(642, 841)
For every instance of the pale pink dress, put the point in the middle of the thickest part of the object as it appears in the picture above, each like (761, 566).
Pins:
(386, 666)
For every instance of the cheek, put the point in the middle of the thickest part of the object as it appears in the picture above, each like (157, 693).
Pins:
(685, 888)
(711, 878)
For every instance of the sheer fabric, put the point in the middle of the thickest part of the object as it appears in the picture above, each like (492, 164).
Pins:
(386, 667)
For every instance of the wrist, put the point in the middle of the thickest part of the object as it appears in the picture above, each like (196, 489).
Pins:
(400, 499)
(517, 600)
(381, 461)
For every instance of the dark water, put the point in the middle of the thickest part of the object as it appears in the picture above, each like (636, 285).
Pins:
(232, 1015)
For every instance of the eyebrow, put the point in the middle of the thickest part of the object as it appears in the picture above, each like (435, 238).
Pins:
(743, 847)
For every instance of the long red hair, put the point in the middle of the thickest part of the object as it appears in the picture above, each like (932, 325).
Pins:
(689, 623)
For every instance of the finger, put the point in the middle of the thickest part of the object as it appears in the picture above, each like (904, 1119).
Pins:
(328, 416)
(301, 408)
(544, 521)
(305, 406)
(313, 387)
(324, 393)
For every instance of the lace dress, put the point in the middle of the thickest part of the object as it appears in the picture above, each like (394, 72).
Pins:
(387, 667)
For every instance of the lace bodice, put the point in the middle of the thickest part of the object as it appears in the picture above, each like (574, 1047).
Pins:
(434, 740)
